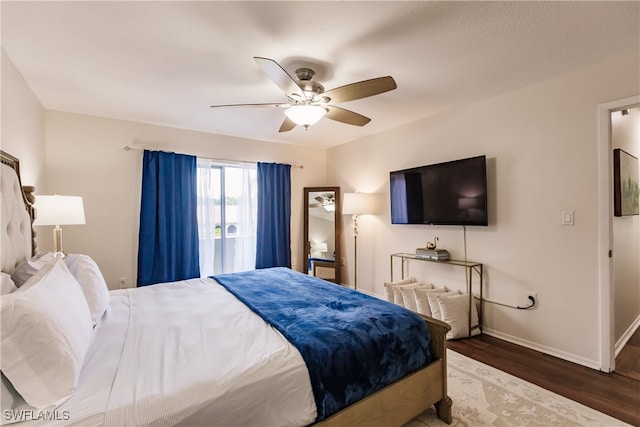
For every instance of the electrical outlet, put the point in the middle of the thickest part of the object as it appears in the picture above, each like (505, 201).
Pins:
(343, 261)
(532, 298)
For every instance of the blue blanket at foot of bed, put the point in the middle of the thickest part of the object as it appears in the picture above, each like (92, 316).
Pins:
(353, 344)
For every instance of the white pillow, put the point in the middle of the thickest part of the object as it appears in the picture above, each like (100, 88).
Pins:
(29, 267)
(455, 311)
(46, 330)
(422, 301)
(93, 285)
(11, 401)
(388, 289)
(434, 305)
(408, 296)
(7, 285)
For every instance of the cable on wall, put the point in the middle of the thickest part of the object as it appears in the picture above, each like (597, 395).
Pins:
(532, 300)
(466, 272)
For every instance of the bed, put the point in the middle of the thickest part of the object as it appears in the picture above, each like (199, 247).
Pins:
(141, 360)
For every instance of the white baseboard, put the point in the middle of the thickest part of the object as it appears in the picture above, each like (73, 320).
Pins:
(627, 335)
(373, 294)
(593, 364)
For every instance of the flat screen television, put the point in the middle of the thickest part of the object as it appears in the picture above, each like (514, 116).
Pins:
(449, 193)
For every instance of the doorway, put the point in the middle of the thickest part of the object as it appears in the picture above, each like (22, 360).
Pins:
(609, 342)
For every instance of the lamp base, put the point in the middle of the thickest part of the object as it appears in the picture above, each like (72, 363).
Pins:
(57, 242)
(355, 252)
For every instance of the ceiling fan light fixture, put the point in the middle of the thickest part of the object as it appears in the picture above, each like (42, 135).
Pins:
(305, 115)
(307, 100)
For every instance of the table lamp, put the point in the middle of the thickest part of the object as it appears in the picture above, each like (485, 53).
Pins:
(59, 210)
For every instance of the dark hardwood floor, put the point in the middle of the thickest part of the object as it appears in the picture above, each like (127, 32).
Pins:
(612, 394)
(628, 360)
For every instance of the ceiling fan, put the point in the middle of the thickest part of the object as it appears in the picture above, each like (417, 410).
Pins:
(326, 201)
(308, 102)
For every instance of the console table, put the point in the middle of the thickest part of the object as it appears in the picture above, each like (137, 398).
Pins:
(471, 267)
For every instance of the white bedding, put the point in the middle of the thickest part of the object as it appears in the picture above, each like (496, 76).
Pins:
(187, 353)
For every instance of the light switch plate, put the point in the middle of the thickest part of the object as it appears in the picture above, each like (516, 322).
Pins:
(568, 218)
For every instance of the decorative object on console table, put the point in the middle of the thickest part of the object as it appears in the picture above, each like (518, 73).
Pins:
(432, 245)
(432, 254)
(356, 204)
(59, 210)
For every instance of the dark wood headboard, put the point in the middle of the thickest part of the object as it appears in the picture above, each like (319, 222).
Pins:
(27, 193)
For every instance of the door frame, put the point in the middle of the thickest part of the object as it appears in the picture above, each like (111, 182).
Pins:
(605, 230)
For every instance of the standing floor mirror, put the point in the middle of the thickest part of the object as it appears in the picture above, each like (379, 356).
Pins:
(322, 232)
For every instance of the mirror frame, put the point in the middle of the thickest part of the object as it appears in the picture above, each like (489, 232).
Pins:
(337, 232)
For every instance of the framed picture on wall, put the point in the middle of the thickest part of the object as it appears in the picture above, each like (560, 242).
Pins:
(626, 189)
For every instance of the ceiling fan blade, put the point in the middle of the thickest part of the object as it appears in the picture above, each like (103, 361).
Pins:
(287, 125)
(279, 76)
(361, 89)
(346, 116)
(278, 105)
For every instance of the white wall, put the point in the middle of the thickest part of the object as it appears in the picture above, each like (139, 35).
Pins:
(23, 132)
(540, 142)
(541, 145)
(85, 157)
(625, 134)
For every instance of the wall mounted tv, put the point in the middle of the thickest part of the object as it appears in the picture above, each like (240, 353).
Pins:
(450, 193)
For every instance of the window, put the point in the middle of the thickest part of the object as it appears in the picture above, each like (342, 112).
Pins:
(227, 209)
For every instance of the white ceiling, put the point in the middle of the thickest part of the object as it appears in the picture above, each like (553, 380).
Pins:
(166, 62)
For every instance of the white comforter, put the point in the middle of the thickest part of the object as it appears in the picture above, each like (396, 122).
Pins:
(188, 353)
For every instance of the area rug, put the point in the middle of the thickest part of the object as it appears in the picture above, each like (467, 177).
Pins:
(485, 396)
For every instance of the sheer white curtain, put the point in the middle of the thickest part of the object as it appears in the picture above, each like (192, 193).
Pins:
(245, 250)
(227, 210)
(208, 216)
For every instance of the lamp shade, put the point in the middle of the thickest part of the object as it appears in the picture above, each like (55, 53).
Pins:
(357, 203)
(305, 115)
(320, 247)
(59, 210)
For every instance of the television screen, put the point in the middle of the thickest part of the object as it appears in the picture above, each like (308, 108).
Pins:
(450, 193)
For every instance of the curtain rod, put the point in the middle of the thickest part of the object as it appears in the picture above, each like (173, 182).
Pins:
(129, 148)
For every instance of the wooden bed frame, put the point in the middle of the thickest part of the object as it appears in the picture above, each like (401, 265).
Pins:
(405, 399)
(395, 404)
